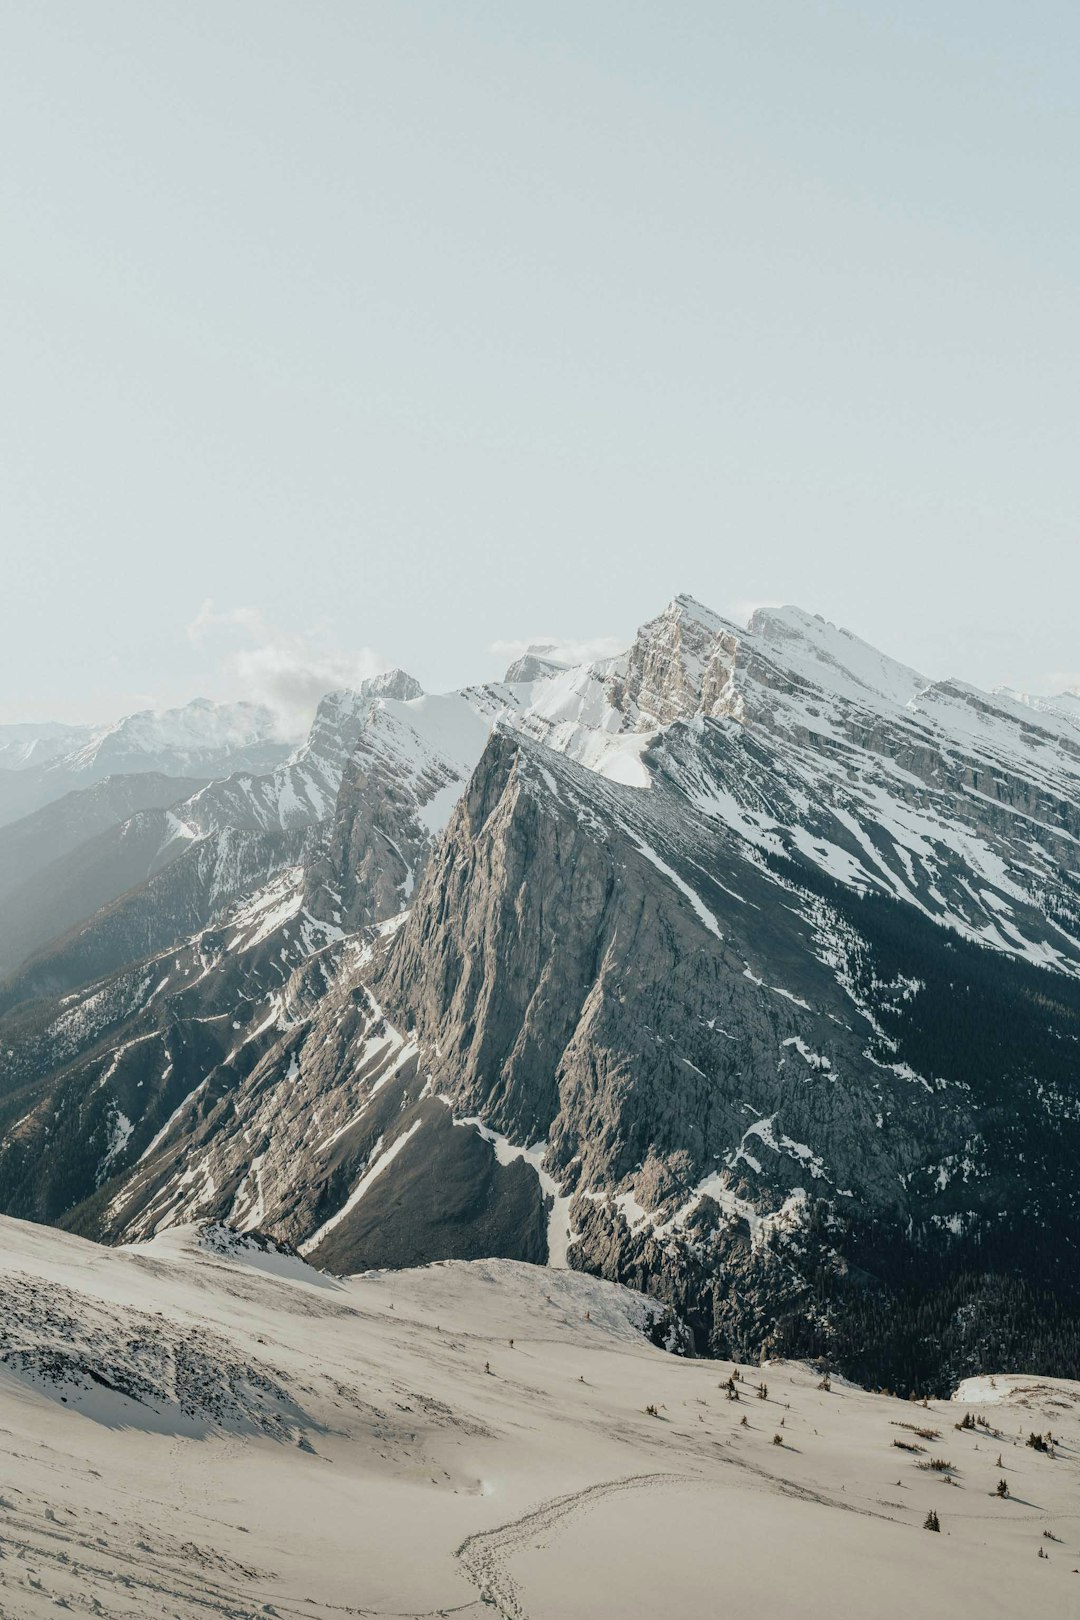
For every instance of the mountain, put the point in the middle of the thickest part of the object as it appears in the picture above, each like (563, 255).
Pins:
(27, 744)
(119, 886)
(201, 739)
(743, 968)
(78, 883)
(1064, 704)
(206, 1426)
(32, 843)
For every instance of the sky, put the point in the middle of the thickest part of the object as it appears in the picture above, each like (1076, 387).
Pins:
(348, 334)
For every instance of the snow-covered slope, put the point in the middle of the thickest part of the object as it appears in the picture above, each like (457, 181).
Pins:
(205, 1427)
(802, 739)
(1063, 705)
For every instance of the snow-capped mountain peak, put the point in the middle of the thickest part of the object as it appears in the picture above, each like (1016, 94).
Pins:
(833, 656)
(195, 738)
(539, 660)
(392, 683)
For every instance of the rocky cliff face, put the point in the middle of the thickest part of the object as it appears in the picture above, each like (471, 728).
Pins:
(746, 971)
(405, 773)
(680, 663)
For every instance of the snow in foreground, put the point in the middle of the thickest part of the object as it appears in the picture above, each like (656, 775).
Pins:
(196, 1427)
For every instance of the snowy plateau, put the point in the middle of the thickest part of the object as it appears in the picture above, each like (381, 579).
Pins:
(495, 1154)
(203, 1426)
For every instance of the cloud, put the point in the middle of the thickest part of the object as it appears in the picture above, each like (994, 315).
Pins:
(289, 672)
(1062, 684)
(742, 612)
(559, 649)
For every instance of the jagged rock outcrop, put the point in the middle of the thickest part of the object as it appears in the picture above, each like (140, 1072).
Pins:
(407, 770)
(680, 663)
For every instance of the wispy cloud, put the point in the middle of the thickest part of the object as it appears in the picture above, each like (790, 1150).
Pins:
(1060, 682)
(559, 649)
(287, 671)
(743, 611)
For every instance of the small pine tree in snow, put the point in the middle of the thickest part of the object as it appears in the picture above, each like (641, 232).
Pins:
(932, 1522)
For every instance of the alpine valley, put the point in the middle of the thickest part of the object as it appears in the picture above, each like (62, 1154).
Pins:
(742, 970)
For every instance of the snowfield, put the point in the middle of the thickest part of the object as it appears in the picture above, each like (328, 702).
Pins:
(205, 1426)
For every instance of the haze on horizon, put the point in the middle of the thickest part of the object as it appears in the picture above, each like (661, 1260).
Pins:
(347, 336)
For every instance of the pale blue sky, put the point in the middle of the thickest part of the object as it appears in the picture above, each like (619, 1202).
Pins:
(415, 327)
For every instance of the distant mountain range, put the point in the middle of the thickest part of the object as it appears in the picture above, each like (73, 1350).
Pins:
(742, 968)
(39, 764)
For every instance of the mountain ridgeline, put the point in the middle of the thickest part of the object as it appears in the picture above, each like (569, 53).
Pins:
(743, 968)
